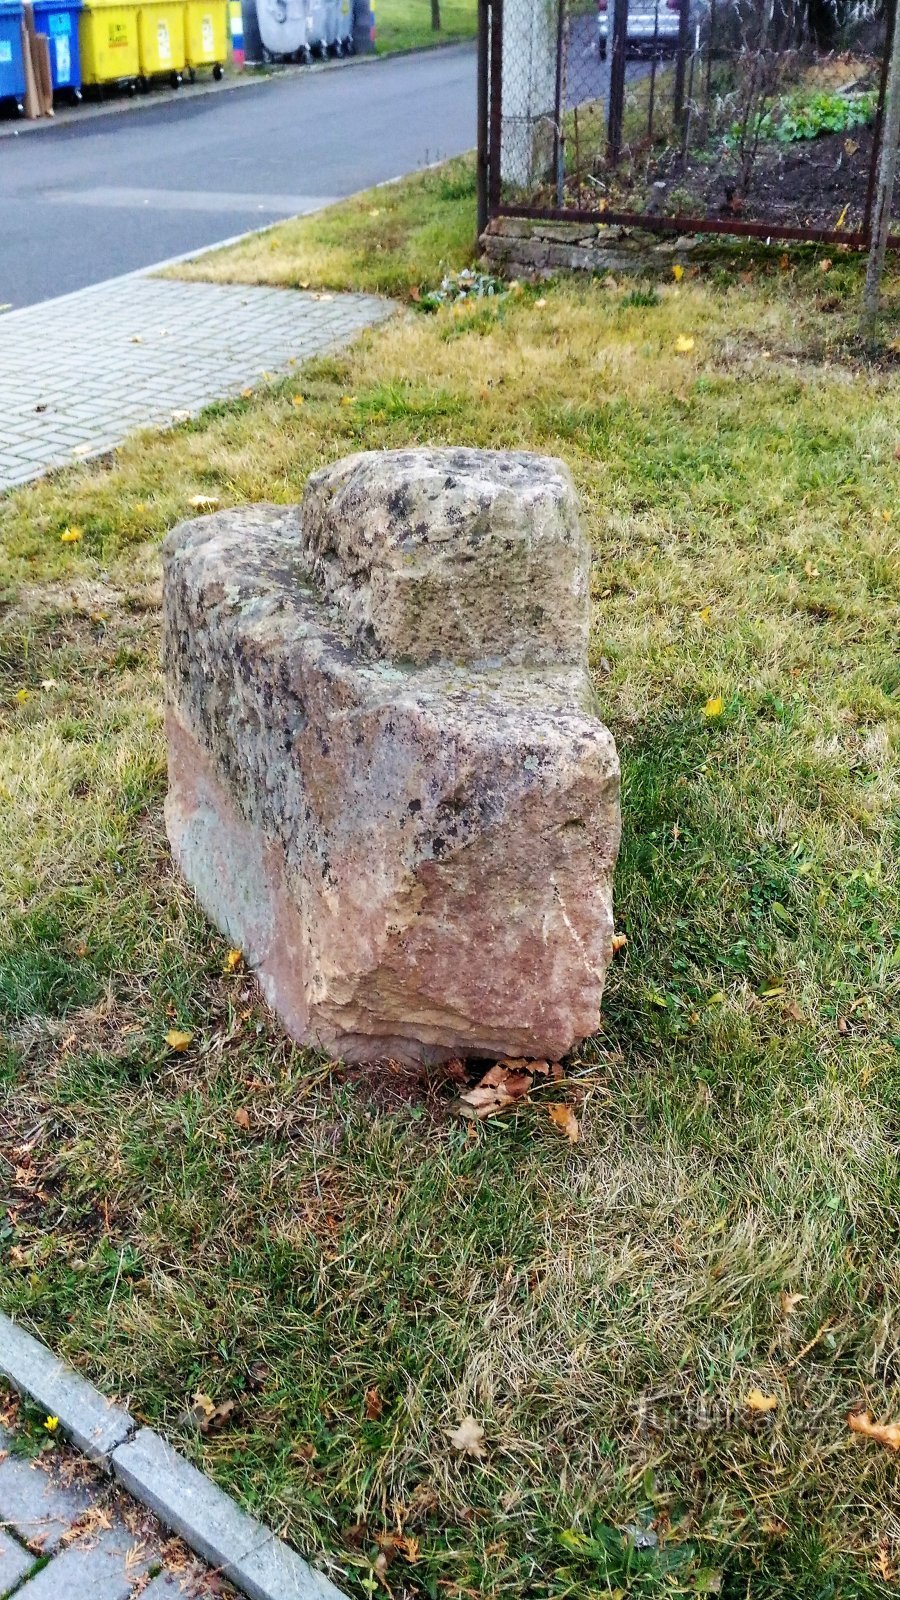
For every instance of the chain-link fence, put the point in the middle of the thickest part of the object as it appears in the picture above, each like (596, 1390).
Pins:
(734, 116)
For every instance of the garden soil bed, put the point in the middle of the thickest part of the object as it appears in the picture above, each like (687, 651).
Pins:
(819, 183)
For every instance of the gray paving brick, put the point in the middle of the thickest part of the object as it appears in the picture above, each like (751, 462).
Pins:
(34, 1505)
(90, 1421)
(195, 344)
(105, 1566)
(239, 1546)
(14, 1562)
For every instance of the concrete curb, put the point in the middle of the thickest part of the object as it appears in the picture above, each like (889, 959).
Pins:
(241, 1549)
(91, 1422)
(238, 1546)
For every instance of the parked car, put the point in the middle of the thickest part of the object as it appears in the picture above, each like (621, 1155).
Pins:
(652, 25)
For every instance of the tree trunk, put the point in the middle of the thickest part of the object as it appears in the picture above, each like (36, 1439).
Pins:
(887, 171)
(436, 15)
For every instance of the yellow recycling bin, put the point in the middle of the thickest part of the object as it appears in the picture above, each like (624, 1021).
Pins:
(108, 40)
(161, 39)
(206, 33)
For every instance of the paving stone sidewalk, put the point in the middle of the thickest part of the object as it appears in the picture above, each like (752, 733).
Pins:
(79, 373)
(68, 1533)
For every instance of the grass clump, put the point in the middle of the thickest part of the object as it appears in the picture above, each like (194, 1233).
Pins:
(395, 240)
(406, 24)
(352, 1266)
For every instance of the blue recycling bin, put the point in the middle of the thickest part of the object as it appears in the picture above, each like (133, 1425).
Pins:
(58, 19)
(12, 65)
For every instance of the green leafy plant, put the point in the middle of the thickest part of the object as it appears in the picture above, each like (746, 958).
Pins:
(800, 117)
(466, 284)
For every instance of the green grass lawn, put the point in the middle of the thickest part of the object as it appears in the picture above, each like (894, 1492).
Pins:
(394, 240)
(331, 1249)
(406, 24)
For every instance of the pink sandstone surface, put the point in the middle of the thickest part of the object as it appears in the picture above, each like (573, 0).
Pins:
(388, 784)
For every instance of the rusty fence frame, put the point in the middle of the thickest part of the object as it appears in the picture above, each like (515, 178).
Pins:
(490, 135)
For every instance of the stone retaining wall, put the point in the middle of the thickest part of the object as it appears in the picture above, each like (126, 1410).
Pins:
(522, 247)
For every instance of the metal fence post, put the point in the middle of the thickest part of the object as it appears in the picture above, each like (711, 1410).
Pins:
(559, 145)
(616, 107)
(482, 158)
(495, 105)
(684, 45)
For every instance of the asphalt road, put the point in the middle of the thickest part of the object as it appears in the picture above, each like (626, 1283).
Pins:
(88, 200)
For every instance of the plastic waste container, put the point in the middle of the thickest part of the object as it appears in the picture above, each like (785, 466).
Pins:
(344, 39)
(317, 26)
(12, 64)
(206, 30)
(58, 19)
(338, 27)
(236, 29)
(108, 39)
(161, 39)
(363, 35)
(283, 28)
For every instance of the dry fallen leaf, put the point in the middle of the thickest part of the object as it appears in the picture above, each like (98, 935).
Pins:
(714, 707)
(811, 569)
(178, 1041)
(503, 1085)
(791, 1010)
(825, 266)
(242, 1118)
(374, 1404)
(790, 1302)
(771, 988)
(684, 343)
(619, 942)
(705, 614)
(246, 393)
(887, 1433)
(566, 1121)
(218, 1417)
(757, 1401)
(206, 1415)
(233, 961)
(883, 1565)
(468, 1438)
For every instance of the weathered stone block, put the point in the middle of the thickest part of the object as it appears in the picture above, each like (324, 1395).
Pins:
(388, 783)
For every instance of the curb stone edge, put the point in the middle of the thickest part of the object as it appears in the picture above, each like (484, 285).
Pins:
(242, 1549)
